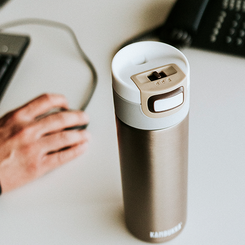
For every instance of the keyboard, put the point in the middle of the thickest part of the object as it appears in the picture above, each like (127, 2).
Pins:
(2, 2)
(12, 49)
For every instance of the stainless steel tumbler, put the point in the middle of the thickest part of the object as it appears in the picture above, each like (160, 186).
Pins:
(151, 89)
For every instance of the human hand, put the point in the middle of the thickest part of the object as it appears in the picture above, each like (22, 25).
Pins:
(32, 145)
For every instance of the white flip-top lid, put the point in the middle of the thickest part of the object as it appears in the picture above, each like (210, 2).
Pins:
(139, 57)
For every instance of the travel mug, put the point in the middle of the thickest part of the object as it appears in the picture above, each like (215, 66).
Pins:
(151, 90)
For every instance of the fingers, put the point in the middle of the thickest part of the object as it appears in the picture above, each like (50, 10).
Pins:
(60, 121)
(55, 159)
(41, 105)
(57, 141)
(70, 149)
(34, 142)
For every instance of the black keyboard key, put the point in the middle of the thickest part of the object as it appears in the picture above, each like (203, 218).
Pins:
(12, 49)
(5, 64)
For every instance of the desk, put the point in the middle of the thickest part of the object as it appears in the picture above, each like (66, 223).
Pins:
(81, 202)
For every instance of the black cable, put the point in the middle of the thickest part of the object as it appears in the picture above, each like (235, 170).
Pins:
(81, 52)
(66, 28)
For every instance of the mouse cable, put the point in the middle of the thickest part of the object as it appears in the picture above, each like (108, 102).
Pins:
(66, 28)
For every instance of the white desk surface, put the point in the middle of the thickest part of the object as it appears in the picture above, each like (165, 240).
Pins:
(81, 202)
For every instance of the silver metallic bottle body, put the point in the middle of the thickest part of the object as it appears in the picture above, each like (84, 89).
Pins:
(154, 180)
(153, 140)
